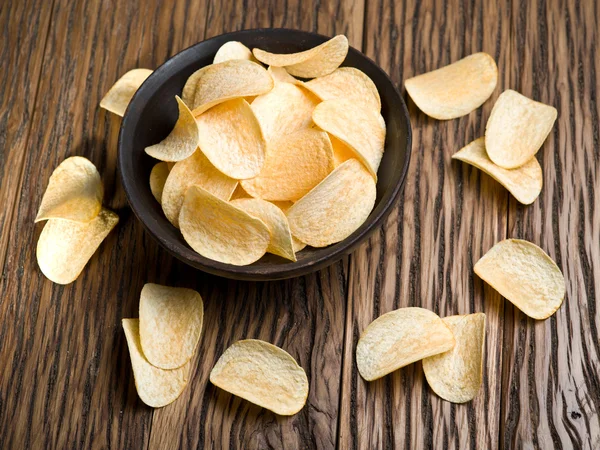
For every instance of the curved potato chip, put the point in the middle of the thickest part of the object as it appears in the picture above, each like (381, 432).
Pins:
(220, 231)
(155, 387)
(341, 152)
(74, 192)
(280, 75)
(195, 170)
(456, 374)
(316, 62)
(360, 128)
(525, 275)
(294, 165)
(188, 94)
(524, 183)
(399, 338)
(516, 129)
(65, 247)
(170, 324)
(263, 374)
(120, 94)
(297, 244)
(285, 109)
(230, 80)
(456, 89)
(348, 83)
(233, 50)
(158, 178)
(281, 237)
(231, 138)
(335, 208)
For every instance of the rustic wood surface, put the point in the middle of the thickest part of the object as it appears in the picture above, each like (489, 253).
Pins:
(66, 380)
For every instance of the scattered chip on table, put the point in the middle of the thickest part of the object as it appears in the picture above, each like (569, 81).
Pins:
(120, 94)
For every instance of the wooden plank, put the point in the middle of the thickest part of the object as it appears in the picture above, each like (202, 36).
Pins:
(424, 253)
(551, 381)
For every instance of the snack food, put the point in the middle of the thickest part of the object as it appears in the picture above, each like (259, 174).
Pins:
(118, 97)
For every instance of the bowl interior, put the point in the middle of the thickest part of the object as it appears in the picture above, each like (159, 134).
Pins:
(153, 112)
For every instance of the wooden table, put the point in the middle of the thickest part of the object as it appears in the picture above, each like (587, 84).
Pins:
(66, 380)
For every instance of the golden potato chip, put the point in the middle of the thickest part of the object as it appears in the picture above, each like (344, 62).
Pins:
(525, 275)
(188, 94)
(456, 89)
(335, 208)
(341, 152)
(263, 374)
(158, 178)
(456, 374)
(230, 80)
(294, 165)
(524, 183)
(65, 247)
(233, 50)
(155, 387)
(220, 231)
(195, 170)
(239, 193)
(170, 324)
(231, 138)
(280, 75)
(399, 338)
(297, 244)
(516, 129)
(346, 83)
(281, 237)
(119, 96)
(74, 192)
(284, 110)
(360, 128)
(316, 62)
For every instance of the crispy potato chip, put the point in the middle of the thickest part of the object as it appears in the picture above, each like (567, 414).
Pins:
(195, 170)
(294, 165)
(456, 89)
(362, 129)
(341, 152)
(231, 138)
(239, 193)
(297, 244)
(284, 110)
(230, 80)
(74, 192)
(182, 141)
(399, 338)
(456, 374)
(119, 96)
(65, 247)
(170, 324)
(188, 94)
(516, 129)
(281, 237)
(158, 178)
(280, 75)
(346, 83)
(525, 275)
(335, 208)
(263, 374)
(220, 231)
(155, 387)
(524, 183)
(233, 50)
(316, 62)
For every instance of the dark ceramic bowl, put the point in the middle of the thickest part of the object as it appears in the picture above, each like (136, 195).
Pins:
(153, 112)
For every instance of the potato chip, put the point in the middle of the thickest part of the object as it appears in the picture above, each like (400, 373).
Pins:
(346, 83)
(118, 97)
(456, 89)
(74, 192)
(230, 80)
(297, 244)
(65, 247)
(525, 275)
(524, 183)
(188, 94)
(231, 138)
(399, 338)
(456, 374)
(316, 62)
(233, 50)
(155, 387)
(195, 170)
(263, 374)
(516, 129)
(284, 110)
(281, 237)
(335, 208)
(362, 129)
(220, 231)
(341, 152)
(170, 324)
(158, 178)
(239, 193)
(280, 75)
(294, 165)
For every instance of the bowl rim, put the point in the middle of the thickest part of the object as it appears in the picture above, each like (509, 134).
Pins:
(289, 269)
